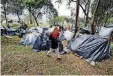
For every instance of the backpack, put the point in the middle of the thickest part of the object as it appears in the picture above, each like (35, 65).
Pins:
(55, 33)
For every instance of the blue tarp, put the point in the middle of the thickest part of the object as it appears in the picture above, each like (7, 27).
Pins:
(42, 43)
(11, 31)
(91, 47)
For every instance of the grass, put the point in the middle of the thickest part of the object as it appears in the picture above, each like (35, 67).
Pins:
(20, 60)
(111, 46)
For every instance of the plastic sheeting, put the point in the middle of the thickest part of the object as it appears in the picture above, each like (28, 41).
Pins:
(29, 39)
(31, 29)
(105, 32)
(68, 35)
(40, 30)
(41, 43)
(91, 47)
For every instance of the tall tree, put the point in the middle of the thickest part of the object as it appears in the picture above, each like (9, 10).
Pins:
(4, 7)
(16, 7)
(87, 7)
(77, 14)
(35, 7)
(101, 12)
(79, 4)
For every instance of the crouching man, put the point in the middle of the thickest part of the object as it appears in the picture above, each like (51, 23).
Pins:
(54, 42)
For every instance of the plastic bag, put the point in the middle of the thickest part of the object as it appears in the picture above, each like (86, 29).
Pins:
(105, 32)
(68, 35)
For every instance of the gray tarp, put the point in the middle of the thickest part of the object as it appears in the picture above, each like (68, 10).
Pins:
(29, 39)
(91, 47)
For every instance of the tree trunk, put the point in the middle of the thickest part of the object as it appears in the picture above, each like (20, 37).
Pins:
(76, 18)
(30, 18)
(36, 21)
(87, 8)
(6, 18)
(5, 14)
(93, 21)
(34, 18)
(18, 17)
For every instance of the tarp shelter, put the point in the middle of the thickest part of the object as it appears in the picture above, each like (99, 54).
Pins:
(91, 47)
(42, 43)
(29, 39)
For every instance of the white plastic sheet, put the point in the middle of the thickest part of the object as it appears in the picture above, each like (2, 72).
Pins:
(105, 32)
(68, 35)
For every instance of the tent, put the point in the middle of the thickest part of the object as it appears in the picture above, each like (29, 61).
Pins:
(29, 39)
(42, 43)
(90, 47)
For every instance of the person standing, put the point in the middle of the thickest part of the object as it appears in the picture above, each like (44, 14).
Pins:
(54, 42)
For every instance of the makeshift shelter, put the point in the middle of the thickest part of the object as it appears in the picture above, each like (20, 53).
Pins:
(42, 43)
(29, 39)
(91, 47)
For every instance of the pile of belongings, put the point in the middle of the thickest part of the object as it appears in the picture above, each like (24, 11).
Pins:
(11, 31)
(7, 31)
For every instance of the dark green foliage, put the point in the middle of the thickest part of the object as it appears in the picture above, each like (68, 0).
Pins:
(104, 11)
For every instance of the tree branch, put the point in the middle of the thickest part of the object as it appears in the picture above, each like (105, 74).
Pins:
(84, 11)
